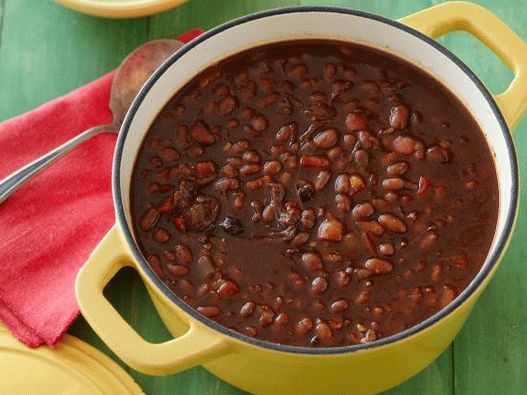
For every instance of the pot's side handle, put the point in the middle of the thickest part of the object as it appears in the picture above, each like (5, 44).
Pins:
(195, 346)
(494, 33)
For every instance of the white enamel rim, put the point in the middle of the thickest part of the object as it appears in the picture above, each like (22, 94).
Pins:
(286, 24)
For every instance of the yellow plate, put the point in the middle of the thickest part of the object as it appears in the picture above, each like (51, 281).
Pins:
(73, 367)
(120, 8)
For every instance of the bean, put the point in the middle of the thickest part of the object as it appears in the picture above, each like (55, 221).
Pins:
(392, 223)
(393, 184)
(428, 241)
(314, 161)
(341, 278)
(386, 249)
(209, 311)
(356, 121)
(251, 156)
(155, 263)
(227, 289)
(227, 105)
(183, 254)
(230, 171)
(247, 309)
(448, 295)
(161, 235)
(357, 184)
(339, 305)
(272, 167)
(321, 180)
(343, 184)
(379, 265)
(439, 154)
(436, 273)
(266, 315)
(330, 229)
(200, 133)
(281, 320)
(404, 145)
(285, 132)
(196, 151)
(343, 203)
(248, 170)
(169, 154)
(312, 261)
(205, 169)
(303, 326)
(326, 139)
(259, 123)
(296, 280)
(397, 169)
(399, 116)
(177, 270)
(371, 226)
(323, 331)
(156, 161)
(349, 140)
(149, 219)
(239, 147)
(362, 211)
(319, 285)
(368, 140)
(232, 124)
(269, 213)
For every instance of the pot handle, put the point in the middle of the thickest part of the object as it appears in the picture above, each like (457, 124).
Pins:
(195, 346)
(494, 33)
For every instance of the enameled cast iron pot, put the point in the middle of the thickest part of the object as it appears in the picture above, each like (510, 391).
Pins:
(264, 367)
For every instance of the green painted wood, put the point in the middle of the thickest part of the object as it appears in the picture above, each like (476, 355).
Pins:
(46, 50)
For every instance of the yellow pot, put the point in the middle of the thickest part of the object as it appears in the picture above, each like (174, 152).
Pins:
(260, 366)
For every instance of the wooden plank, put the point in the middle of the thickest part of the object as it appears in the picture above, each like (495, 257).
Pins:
(48, 50)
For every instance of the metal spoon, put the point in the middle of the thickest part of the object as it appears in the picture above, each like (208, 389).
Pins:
(128, 79)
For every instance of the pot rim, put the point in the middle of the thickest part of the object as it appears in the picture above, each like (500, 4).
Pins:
(480, 278)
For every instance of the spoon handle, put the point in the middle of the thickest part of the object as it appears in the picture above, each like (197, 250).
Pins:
(12, 182)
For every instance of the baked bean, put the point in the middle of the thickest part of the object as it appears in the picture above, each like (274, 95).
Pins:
(343, 203)
(319, 285)
(326, 139)
(321, 180)
(272, 167)
(363, 210)
(399, 116)
(149, 219)
(312, 261)
(384, 247)
(200, 133)
(379, 265)
(397, 169)
(339, 305)
(304, 326)
(161, 235)
(392, 223)
(209, 311)
(330, 229)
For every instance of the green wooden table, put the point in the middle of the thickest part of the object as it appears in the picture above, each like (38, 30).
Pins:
(46, 51)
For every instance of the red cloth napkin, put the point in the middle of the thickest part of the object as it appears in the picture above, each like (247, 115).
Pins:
(52, 223)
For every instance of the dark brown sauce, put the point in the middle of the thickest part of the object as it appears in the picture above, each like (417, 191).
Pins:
(315, 193)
